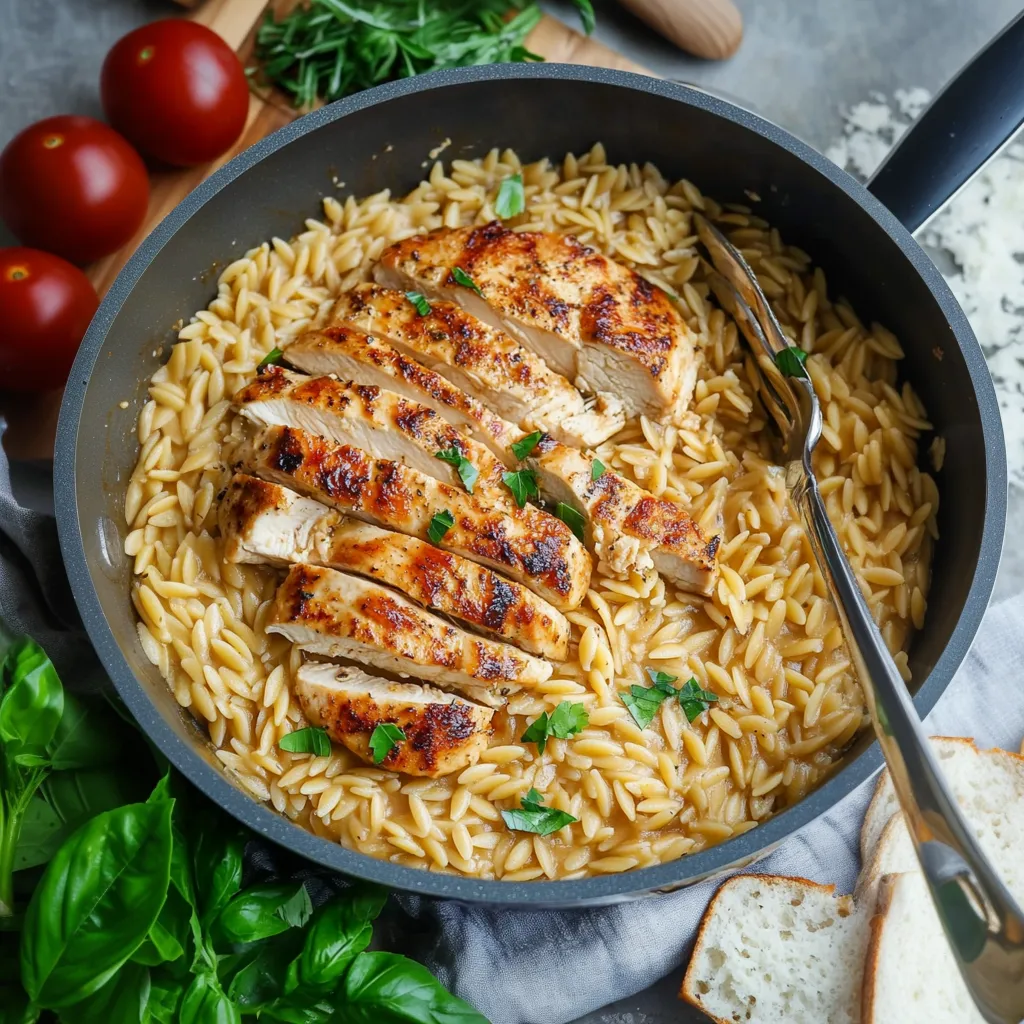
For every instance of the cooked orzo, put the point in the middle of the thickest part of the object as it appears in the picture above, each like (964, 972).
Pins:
(765, 642)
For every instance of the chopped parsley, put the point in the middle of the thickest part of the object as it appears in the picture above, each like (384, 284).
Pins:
(573, 519)
(643, 702)
(565, 721)
(597, 469)
(534, 817)
(384, 738)
(523, 485)
(694, 700)
(468, 473)
(419, 300)
(272, 358)
(790, 361)
(511, 199)
(440, 524)
(520, 449)
(311, 740)
(461, 277)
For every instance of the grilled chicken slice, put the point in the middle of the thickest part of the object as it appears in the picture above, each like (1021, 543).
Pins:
(372, 418)
(532, 547)
(340, 616)
(627, 527)
(264, 522)
(443, 733)
(351, 354)
(589, 318)
(485, 363)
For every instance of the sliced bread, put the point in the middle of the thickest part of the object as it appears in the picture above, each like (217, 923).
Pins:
(778, 951)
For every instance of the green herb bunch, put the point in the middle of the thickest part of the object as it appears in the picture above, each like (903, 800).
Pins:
(327, 49)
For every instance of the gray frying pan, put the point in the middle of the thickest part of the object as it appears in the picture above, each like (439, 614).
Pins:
(865, 248)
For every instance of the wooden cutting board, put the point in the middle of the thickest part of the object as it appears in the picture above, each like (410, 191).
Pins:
(32, 419)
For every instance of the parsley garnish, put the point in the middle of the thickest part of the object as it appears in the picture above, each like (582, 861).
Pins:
(272, 358)
(573, 519)
(565, 721)
(596, 469)
(461, 277)
(420, 302)
(790, 361)
(311, 740)
(440, 524)
(522, 483)
(643, 701)
(533, 816)
(468, 473)
(694, 700)
(522, 448)
(384, 738)
(511, 199)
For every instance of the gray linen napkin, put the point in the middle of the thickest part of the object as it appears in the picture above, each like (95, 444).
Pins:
(517, 967)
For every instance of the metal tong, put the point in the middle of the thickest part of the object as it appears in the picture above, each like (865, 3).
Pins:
(982, 921)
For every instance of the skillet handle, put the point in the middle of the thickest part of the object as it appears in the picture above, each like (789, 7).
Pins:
(966, 125)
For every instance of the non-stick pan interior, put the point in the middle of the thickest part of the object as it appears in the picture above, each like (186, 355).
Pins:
(382, 140)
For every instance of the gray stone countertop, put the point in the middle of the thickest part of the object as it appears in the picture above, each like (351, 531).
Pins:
(802, 62)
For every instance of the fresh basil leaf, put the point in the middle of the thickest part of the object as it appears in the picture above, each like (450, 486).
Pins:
(523, 485)
(459, 276)
(597, 469)
(96, 902)
(281, 1012)
(165, 994)
(440, 524)
(572, 518)
(523, 447)
(384, 738)
(694, 700)
(511, 200)
(15, 1007)
(217, 863)
(296, 911)
(643, 702)
(260, 981)
(385, 988)
(32, 703)
(89, 735)
(586, 9)
(204, 1002)
(790, 361)
(123, 999)
(534, 817)
(468, 473)
(419, 300)
(255, 913)
(272, 358)
(566, 720)
(31, 761)
(659, 678)
(168, 937)
(311, 740)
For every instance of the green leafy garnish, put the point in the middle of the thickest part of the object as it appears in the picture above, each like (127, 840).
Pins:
(522, 448)
(694, 700)
(790, 361)
(419, 300)
(440, 524)
(586, 10)
(659, 678)
(534, 817)
(311, 740)
(272, 358)
(511, 199)
(597, 469)
(468, 473)
(573, 519)
(384, 738)
(565, 721)
(461, 277)
(523, 485)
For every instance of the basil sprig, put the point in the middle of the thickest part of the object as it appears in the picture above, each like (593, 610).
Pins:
(311, 740)
(462, 278)
(522, 483)
(511, 200)
(523, 447)
(384, 738)
(643, 702)
(790, 361)
(419, 300)
(468, 473)
(272, 358)
(572, 518)
(565, 721)
(440, 524)
(533, 816)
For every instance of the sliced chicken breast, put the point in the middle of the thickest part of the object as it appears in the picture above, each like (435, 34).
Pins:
(485, 363)
(627, 527)
(372, 418)
(340, 616)
(264, 522)
(443, 733)
(352, 354)
(590, 319)
(527, 544)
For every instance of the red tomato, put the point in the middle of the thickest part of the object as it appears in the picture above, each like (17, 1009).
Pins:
(72, 186)
(175, 90)
(47, 306)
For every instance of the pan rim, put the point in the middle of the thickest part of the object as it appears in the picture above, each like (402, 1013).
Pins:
(260, 817)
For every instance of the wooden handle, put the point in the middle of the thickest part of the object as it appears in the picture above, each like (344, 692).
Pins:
(712, 29)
